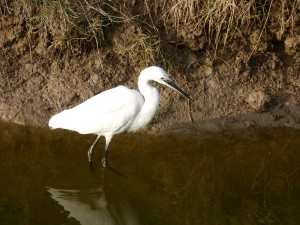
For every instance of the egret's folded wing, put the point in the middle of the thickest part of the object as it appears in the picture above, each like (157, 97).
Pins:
(109, 111)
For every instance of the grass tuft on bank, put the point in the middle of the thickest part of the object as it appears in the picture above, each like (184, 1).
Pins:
(213, 23)
(66, 26)
(80, 26)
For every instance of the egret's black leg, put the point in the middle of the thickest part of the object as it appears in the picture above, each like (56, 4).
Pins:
(104, 157)
(90, 152)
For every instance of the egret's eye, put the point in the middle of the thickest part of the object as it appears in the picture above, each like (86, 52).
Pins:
(166, 80)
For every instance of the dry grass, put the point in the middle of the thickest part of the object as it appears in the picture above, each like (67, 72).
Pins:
(217, 21)
(287, 19)
(78, 26)
(67, 26)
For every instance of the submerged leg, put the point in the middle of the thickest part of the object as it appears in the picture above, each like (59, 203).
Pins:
(104, 157)
(90, 152)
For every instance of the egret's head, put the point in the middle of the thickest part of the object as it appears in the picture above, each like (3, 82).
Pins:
(159, 75)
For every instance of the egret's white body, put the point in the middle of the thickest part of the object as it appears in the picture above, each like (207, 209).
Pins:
(116, 110)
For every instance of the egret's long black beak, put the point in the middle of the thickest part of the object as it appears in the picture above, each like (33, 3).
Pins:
(176, 88)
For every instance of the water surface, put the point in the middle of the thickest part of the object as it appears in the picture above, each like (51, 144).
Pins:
(237, 177)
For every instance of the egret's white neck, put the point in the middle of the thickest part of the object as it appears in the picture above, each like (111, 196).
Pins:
(147, 90)
(150, 106)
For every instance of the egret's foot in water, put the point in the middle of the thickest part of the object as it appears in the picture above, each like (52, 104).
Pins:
(90, 164)
(109, 167)
(105, 163)
(90, 160)
(90, 156)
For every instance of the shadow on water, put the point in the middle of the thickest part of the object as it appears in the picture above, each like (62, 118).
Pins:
(240, 177)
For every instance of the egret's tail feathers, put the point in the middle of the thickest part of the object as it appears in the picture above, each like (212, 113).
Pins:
(71, 121)
(57, 121)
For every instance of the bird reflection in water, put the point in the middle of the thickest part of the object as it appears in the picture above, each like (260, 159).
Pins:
(90, 207)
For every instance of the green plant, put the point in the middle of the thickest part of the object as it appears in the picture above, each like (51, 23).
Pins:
(142, 49)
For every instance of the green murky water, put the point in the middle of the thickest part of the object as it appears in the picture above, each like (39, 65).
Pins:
(241, 177)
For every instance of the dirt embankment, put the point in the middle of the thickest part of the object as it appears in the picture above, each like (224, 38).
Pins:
(241, 68)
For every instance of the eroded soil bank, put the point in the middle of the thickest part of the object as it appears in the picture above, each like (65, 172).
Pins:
(251, 81)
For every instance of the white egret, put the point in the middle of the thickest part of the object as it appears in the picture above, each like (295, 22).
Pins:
(116, 110)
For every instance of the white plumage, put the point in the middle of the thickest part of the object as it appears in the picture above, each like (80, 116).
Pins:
(95, 115)
(116, 110)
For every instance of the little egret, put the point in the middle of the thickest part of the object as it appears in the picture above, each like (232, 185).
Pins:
(116, 110)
